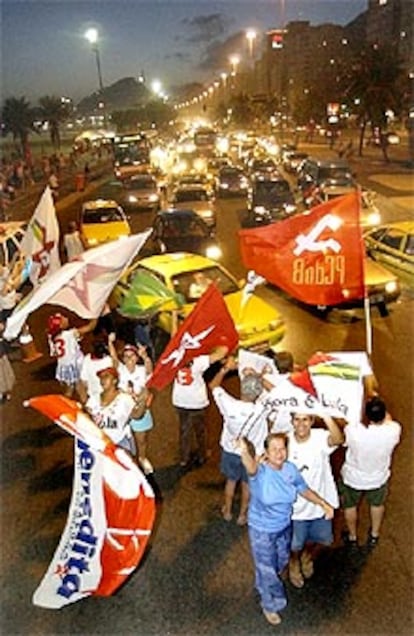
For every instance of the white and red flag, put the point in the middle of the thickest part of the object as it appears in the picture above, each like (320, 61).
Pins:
(41, 240)
(209, 325)
(110, 517)
(82, 285)
(316, 257)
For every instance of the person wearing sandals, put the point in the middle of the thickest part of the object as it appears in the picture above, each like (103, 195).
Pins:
(7, 376)
(134, 368)
(310, 450)
(244, 416)
(274, 485)
(367, 468)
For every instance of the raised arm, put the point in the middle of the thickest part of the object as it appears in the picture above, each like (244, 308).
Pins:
(336, 435)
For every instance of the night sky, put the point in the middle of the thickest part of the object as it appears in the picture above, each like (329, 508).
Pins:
(44, 51)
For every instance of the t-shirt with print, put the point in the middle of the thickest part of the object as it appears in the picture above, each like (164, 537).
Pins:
(189, 388)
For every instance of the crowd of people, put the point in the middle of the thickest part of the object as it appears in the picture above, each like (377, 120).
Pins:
(280, 461)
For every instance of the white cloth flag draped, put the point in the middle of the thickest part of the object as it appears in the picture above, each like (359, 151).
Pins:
(41, 240)
(82, 285)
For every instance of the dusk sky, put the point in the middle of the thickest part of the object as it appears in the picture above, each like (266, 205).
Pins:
(44, 51)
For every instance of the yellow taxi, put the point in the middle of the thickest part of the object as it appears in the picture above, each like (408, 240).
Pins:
(101, 221)
(392, 244)
(259, 325)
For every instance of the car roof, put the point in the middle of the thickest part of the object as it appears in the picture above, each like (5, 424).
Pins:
(100, 203)
(178, 212)
(404, 226)
(190, 187)
(176, 263)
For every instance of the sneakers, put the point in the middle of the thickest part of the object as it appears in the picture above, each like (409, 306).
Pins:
(272, 617)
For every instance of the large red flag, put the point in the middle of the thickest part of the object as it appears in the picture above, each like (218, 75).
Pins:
(317, 257)
(209, 325)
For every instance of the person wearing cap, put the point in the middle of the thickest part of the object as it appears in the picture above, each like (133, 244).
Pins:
(112, 410)
(134, 369)
(64, 346)
(241, 417)
(190, 399)
(274, 483)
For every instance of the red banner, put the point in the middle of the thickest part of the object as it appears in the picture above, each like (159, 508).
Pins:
(316, 257)
(209, 325)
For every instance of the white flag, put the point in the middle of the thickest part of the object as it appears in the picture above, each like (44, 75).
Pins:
(41, 240)
(82, 285)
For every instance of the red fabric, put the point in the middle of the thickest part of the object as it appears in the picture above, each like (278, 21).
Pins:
(209, 325)
(313, 256)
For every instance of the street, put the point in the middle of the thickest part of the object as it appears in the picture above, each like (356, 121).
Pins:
(197, 575)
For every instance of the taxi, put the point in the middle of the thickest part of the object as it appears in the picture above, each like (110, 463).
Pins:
(101, 221)
(392, 244)
(258, 323)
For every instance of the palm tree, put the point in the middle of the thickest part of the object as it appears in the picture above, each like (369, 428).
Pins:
(53, 111)
(373, 85)
(18, 120)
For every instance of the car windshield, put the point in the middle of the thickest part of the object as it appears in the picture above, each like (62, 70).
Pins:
(191, 195)
(338, 173)
(272, 188)
(230, 172)
(193, 284)
(103, 215)
(409, 247)
(185, 227)
(140, 184)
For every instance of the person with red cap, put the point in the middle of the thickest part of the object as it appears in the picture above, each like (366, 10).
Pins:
(134, 371)
(64, 346)
(112, 409)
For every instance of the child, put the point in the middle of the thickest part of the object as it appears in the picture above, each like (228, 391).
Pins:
(7, 377)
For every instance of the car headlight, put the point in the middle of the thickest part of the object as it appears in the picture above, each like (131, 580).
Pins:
(132, 198)
(290, 208)
(92, 241)
(214, 252)
(224, 186)
(207, 214)
(374, 218)
(391, 286)
(244, 184)
(259, 209)
(153, 198)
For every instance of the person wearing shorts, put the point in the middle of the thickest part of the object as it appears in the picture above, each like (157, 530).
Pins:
(367, 468)
(310, 450)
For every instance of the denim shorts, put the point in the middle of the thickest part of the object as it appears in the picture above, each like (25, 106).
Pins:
(232, 468)
(312, 531)
(145, 423)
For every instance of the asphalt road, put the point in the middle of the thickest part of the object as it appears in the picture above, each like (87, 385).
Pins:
(197, 576)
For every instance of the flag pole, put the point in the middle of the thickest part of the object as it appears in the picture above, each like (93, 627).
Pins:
(368, 325)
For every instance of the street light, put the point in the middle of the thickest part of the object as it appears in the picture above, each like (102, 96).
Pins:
(234, 61)
(92, 36)
(156, 87)
(251, 36)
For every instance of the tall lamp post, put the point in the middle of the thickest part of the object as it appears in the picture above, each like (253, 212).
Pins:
(92, 36)
(251, 36)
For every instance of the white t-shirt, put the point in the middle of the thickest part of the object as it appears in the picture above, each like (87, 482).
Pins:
(138, 377)
(312, 459)
(368, 455)
(189, 388)
(89, 370)
(240, 419)
(65, 348)
(73, 245)
(113, 418)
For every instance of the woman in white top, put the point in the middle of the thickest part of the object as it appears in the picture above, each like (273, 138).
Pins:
(134, 371)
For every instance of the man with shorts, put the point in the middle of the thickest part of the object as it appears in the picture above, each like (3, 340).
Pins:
(310, 450)
(367, 468)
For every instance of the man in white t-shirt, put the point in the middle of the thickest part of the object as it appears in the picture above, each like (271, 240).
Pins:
(367, 468)
(190, 399)
(310, 449)
(90, 385)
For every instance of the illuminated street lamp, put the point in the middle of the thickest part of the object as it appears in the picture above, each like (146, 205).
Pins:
(251, 36)
(92, 36)
(234, 61)
(156, 86)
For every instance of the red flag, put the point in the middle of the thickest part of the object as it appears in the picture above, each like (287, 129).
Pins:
(317, 258)
(209, 325)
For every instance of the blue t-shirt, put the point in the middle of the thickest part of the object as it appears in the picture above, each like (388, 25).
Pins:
(272, 495)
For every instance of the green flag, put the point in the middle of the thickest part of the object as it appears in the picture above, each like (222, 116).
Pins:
(146, 296)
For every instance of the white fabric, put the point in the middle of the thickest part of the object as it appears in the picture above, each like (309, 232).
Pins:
(138, 376)
(368, 455)
(312, 459)
(89, 370)
(189, 388)
(240, 419)
(73, 245)
(65, 347)
(113, 418)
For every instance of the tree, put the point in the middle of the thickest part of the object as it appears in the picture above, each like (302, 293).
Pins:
(53, 111)
(373, 86)
(18, 120)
